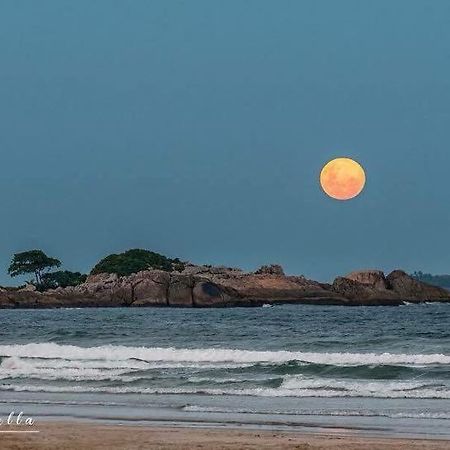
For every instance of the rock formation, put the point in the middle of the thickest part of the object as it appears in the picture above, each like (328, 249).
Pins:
(206, 286)
(412, 290)
(374, 278)
(272, 269)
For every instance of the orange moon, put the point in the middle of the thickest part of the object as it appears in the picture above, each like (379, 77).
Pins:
(342, 178)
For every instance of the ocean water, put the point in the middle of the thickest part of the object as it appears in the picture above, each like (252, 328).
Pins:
(365, 369)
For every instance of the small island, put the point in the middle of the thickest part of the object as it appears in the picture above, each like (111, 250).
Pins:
(141, 278)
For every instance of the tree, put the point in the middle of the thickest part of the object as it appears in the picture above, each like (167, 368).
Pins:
(62, 278)
(133, 261)
(33, 261)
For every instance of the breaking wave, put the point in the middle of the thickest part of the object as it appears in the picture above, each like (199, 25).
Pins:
(49, 367)
(213, 355)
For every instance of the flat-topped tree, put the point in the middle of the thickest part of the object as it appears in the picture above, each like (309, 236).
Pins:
(32, 261)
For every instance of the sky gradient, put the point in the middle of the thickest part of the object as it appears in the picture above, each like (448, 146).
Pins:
(198, 129)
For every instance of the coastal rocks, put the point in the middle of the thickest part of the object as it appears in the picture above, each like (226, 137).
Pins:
(373, 278)
(26, 299)
(102, 278)
(272, 269)
(180, 290)
(371, 287)
(29, 287)
(211, 271)
(146, 288)
(413, 290)
(207, 293)
(150, 288)
(206, 286)
(364, 293)
(256, 289)
(101, 290)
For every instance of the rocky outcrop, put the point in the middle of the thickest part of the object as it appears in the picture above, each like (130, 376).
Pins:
(412, 290)
(374, 278)
(372, 287)
(150, 288)
(206, 286)
(272, 269)
(364, 293)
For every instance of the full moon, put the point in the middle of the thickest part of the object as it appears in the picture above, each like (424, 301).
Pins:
(342, 178)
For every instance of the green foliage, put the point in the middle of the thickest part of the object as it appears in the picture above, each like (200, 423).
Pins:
(62, 278)
(437, 280)
(133, 261)
(33, 261)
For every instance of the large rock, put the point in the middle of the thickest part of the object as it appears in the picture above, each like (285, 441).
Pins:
(374, 278)
(372, 287)
(180, 290)
(207, 293)
(364, 293)
(411, 289)
(150, 288)
(255, 289)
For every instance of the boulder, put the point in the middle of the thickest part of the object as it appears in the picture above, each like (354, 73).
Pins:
(373, 278)
(363, 293)
(180, 290)
(206, 293)
(150, 288)
(255, 289)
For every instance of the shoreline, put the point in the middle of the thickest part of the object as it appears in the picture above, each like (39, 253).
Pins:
(81, 434)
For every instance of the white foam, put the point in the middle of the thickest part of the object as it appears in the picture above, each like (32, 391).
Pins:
(258, 392)
(329, 387)
(214, 355)
(295, 382)
(306, 412)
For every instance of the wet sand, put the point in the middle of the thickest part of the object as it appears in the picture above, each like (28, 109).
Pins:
(70, 436)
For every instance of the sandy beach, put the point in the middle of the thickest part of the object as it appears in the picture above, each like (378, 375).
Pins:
(66, 436)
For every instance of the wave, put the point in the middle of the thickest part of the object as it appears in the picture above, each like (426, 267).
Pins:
(214, 355)
(424, 393)
(49, 367)
(15, 367)
(381, 387)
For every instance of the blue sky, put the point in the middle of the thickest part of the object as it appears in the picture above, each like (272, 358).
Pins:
(198, 129)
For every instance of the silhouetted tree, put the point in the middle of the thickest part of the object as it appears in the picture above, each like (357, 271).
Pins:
(32, 261)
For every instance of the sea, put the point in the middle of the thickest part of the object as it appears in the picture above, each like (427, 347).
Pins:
(373, 370)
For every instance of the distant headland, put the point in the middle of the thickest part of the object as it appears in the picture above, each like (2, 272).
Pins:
(139, 278)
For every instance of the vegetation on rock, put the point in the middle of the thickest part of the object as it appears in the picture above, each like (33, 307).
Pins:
(136, 260)
(62, 278)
